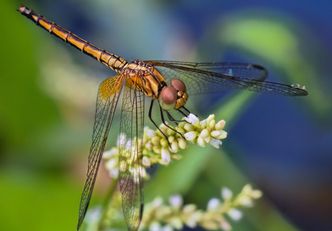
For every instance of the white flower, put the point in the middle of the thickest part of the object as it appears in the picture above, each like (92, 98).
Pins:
(111, 164)
(123, 166)
(224, 225)
(204, 133)
(200, 141)
(149, 132)
(176, 201)
(160, 216)
(193, 219)
(190, 136)
(191, 118)
(110, 153)
(226, 193)
(155, 227)
(165, 156)
(215, 143)
(235, 214)
(213, 204)
(93, 215)
(245, 201)
(189, 208)
(157, 202)
(167, 228)
(220, 125)
(114, 173)
(121, 139)
(146, 161)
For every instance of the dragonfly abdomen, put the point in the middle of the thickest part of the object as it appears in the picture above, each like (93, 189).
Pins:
(110, 60)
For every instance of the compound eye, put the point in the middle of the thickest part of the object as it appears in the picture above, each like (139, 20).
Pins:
(168, 97)
(178, 85)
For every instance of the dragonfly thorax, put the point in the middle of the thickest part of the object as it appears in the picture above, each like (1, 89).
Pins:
(150, 80)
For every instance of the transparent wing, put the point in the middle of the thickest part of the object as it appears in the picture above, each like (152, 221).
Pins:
(107, 99)
(131, 170)
(215, 77)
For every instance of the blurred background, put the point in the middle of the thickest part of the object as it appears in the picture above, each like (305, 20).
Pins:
(281, 145)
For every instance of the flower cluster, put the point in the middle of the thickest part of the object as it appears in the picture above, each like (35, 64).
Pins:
(174, 215)
(160, 149)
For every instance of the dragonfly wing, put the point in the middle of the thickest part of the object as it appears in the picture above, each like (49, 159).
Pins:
(215, 77)
(107, 99)
(131, 170)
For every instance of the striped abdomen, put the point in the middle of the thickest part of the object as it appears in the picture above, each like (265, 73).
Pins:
(112, 61)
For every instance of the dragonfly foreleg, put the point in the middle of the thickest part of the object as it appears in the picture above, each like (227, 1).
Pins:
(154, 123)
(186, 109)
(179, 110)
(172, 119)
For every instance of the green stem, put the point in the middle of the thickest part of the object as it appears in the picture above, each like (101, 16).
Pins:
(106, 205)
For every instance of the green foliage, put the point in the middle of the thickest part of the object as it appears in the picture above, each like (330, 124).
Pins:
(31, 202)
(22, 101)
(277, 42)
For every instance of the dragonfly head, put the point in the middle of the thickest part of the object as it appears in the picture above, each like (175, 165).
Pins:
(173, 96)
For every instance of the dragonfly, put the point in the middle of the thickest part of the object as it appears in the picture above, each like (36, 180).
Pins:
(169, 84)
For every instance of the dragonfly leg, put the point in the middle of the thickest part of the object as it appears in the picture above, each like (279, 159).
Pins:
(171, 118)
(186, 109)
(154, 123)
(164, 122)
(179, 110)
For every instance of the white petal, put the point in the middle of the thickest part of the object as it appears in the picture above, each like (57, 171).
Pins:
(109, 153)
(176, 201)
(235, 214)
(123, 166)
(215, 143)
(200, 142)
(165, 156)
(210, 118)
(190, 136)
(203, 123)
(204, 133)
(193, 219)
(226, 193)
(121, 139)
(174, 147)
(188, 127)
(189, 208)
(256, 194)
(213, 204)
(245, 201)
(167, 228)
(155, 227)
(215, 133)
(191, 118)
(224, 225)
(146, 161)
(223, 135)
(93, 215)
(110, 164)
(114, 173)
(182, 143)
(128, 145)
(220, 125)
(157, 202)
(149, 132)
